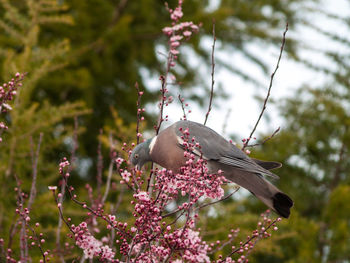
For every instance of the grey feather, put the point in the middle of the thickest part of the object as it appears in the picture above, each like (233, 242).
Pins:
(221, 151)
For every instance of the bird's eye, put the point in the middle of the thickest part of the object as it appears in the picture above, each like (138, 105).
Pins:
(136, 156)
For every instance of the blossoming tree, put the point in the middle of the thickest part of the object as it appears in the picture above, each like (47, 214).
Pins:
(166, 207)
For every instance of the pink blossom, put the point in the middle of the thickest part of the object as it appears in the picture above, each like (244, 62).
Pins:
(174, 51)
(176, 14)
(175, 38)
(187, 33)
(167, 30)
(90, 245)
(175, 44)
(7, 106)
(194, 27)
(126, 175)
(119, 161)
(142, 196)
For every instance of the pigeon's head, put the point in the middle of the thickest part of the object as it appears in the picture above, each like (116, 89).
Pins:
(141, 154)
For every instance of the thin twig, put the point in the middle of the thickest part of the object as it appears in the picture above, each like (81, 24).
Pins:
(182, 106)
(227, 117)
(266, 139)
(163, 90)
(212, 74)
(63, 187)
(224, 244)
(202, 206)
(220, 200)
(13, 231)
(110, 170)
(99, 167)
(108, 184)
(251, 238)
(139, 111)
(35, 158)
(90, 209)
(25, 225)
(269, 90)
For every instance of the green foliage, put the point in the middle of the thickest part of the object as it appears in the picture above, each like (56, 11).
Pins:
(22, 51)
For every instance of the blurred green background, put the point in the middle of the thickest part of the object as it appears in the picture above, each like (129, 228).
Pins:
(83, 59)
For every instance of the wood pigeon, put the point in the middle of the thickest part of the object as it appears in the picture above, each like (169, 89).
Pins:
(167, 150)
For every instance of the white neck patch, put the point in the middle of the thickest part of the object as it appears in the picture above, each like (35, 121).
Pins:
(151, 145)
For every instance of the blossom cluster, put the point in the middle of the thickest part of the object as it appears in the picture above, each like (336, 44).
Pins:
(90, 245)
(178, 31)
(152, 236)
(166, 204)
(7, 92)
(194, 178)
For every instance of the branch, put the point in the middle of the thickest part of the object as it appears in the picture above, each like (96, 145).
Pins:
(212, 74)
(269, 90)
(252, 237)
(220, 200)
(110, 171)
(182, 106)
(35, 169)
(227, 117)
(63, 187)
(139, 111)
(266, 139)
(99, 167)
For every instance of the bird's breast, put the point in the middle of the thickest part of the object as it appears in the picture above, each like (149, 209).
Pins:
(166, 152)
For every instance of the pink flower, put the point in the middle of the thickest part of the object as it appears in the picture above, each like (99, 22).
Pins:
(175, 38)
(187, 33)
(91, 246)
(168, 30)
(174, 51)
(119, 161)
(142, 196)
(194, 27)
(176, 14)
(175, 44)
(126, 175)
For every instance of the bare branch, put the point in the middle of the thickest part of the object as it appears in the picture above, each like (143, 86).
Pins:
(182, 106)
(99, 167)
(220, 200)
(252, 238)
(212, 74)
(266, 139)
(227, 117)
(139, 111)
(269, 90)
(63, 187)
(35, 158)
(163, 90)
(110, 170)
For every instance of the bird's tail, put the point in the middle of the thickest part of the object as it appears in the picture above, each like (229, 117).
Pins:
(278, 201)
(262, 189)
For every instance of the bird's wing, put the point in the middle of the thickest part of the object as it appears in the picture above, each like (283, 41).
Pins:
(214, 147)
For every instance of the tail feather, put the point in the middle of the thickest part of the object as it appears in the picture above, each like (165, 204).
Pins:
(260, 187)
(268, 165)
(282, 204)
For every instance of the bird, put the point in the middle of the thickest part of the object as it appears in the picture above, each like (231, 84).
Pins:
(167, 150)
